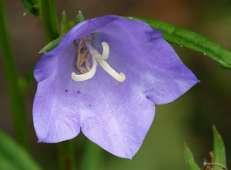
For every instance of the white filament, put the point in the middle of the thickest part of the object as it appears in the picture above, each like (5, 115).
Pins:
(117, 76)
(85, 76)
(106, 50)
(101, 59)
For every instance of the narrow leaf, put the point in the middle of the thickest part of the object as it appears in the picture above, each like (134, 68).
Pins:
(218, 150)
(192, 40)
(12, 156)
(50, 46)
(189, 159)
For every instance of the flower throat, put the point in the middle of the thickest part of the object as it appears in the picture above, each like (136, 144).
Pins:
(82, 57)
(88, 58)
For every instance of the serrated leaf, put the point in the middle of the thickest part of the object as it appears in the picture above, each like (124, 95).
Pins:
(13, 157)
(189, 159)
(52, 44)
(218, 150)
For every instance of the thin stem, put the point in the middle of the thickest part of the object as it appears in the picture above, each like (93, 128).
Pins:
(66, 153)
(92, 157)
(49, 18)
(17, 105)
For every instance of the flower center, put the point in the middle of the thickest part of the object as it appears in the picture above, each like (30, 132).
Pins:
(87, 69)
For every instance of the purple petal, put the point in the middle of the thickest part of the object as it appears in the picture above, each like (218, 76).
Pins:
(142, 53)
(54, 118)
(117, 116)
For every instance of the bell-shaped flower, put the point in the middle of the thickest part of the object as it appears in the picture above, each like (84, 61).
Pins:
(104, 79)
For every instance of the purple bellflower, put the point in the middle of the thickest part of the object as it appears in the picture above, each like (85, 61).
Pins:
(104, 79)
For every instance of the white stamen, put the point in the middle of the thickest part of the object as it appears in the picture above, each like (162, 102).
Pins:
(85, 76)
(118, 76)
(101, 59)
(106, 50)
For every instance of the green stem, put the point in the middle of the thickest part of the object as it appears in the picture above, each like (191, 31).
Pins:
(92, 157)
(66, 153)
(192, 40)
(49, 18)
(17, 105)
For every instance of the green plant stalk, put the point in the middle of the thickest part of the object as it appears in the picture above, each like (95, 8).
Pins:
(66, 156)
(49, 18)
(92, 157)
(192, 40)
(18, 110)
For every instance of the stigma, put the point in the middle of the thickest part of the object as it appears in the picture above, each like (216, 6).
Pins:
(89, 58)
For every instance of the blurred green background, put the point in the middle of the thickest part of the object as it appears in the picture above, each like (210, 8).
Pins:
(189, 119)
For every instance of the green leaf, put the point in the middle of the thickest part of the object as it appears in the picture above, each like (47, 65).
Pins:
(189, 159)
(31, 6)
(192, 40)
(50, 46)
(218, 150)
(13, 157)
